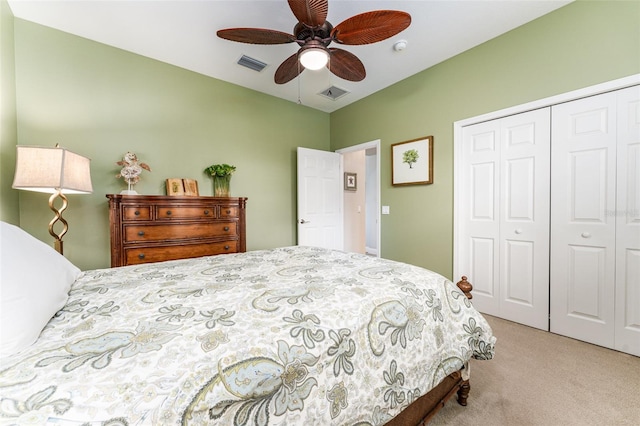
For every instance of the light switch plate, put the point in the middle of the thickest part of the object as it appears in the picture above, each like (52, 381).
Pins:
(385, 210)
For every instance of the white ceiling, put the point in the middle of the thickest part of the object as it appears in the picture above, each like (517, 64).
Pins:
(183, 33)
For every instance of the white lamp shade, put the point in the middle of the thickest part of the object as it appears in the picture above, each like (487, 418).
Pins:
(314, 58)
(45, 169)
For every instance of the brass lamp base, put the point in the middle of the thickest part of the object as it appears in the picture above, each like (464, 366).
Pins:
(58, 217)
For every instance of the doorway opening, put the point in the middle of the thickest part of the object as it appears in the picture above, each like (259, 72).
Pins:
(361, 205)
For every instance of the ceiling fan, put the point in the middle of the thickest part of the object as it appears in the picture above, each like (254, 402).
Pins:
(314, 33)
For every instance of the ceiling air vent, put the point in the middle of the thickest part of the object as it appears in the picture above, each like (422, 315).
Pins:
(251, 63)
(333, 93)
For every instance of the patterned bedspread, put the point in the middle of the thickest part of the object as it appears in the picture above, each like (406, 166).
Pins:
(290, 336)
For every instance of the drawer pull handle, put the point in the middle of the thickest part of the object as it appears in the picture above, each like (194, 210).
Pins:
(137, 213)
(228, 211)
(585, 235)
(226, 228)
(141, 256)
(141, 233)
(168, 212)
(206, 212)
(226, 247)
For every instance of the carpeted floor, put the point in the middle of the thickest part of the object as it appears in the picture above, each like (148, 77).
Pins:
(540, 378)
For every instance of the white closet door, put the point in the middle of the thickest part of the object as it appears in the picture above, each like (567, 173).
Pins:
(627, 214)
(524, 218)
(504, 216)
(479, 225)
(583, 169)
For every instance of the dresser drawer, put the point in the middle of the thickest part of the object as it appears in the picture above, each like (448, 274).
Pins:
(179, 231)
(136, 213)
(228, 211)
(184, 212)
(134, 256)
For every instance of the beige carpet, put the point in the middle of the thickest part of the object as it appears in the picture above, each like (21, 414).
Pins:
(540, 378)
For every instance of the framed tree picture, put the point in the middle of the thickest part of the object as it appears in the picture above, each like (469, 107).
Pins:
(412, 162)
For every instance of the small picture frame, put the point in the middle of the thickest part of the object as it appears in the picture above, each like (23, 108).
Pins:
(190, 187)
(175, 187)
(412, 162)
(182, 187)
(350, 181)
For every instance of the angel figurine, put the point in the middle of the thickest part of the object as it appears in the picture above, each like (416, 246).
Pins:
(131, 170)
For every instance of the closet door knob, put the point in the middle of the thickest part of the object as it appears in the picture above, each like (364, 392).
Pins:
(586, 235)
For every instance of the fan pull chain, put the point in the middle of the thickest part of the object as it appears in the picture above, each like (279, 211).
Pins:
(299, 78)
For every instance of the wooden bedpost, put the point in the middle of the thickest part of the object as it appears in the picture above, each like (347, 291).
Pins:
(463, 393)
(465, 286)
(463, 390)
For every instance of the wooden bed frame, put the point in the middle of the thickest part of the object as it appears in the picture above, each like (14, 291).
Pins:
(422, 410)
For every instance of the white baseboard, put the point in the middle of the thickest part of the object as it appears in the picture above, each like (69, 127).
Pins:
(372, 251)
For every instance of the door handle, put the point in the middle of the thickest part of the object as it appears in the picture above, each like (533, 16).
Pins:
(302, 221)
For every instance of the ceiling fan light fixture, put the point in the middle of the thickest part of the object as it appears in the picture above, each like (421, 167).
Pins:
(313, 33)
(314, 58)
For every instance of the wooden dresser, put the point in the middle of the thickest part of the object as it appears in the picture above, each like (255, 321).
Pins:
(153, 228)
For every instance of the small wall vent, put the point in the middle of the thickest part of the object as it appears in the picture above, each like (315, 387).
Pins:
(251, 63)
(333, 93)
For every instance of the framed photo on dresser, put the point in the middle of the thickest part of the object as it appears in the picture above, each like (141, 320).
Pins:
(182, 187)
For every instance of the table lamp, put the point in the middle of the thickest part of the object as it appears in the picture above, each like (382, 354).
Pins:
(56, 171)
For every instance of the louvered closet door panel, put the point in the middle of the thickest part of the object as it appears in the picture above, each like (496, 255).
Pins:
(479, 208)
(524, 218)
(627, 215)
(582, 227)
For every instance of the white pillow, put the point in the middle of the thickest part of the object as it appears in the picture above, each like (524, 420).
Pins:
(34, 285)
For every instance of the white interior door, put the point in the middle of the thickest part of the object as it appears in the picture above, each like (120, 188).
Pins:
(582, 224)
(504, 216)
(320, 221)
(627, 305)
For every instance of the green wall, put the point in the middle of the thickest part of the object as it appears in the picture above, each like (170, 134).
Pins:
(581, 44)
(101, 102)
(9, 209)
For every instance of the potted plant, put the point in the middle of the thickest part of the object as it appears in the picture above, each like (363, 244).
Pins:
(221, 174)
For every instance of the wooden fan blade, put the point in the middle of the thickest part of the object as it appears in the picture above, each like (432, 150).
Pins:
(370, 27)
(256, 36)
(346, 65)
(288, 70)
(312, 13)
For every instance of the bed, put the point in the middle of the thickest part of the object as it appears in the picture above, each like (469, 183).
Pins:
(287, 336)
